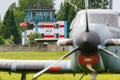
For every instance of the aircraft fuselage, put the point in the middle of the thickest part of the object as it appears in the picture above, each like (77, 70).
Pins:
(104, 31)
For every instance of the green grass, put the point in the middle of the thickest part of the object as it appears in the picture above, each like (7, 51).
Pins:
(32, 55)
(43, 56)
(14, 76)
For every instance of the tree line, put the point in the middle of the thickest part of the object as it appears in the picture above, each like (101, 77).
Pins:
(10, 29)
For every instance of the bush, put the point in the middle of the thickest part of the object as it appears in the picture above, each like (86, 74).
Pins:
(32, 37)
(10, 40)
(1, 40)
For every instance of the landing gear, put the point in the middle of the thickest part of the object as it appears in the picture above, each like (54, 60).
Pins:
(23, 76)
(34, 79)
(82, 76)
(94, 76)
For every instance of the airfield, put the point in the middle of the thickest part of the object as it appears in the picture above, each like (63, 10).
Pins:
(46, 55)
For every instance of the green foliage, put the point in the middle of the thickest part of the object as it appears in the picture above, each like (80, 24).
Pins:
(66, 12)
(10, 27)
(1, 28)
(12, 6)
(1, 40)
(10, 41)
(0, 19)
(36, 4)
(92, 4)
(32, 37)
(77, 4)
(19, 17)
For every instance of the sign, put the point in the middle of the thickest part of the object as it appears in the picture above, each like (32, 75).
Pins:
(48, 31)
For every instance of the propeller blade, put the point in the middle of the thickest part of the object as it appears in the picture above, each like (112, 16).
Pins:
(86, 6)
(63, 57)
(108, 52)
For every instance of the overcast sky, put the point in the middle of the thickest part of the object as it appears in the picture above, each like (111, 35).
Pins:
(4, 4)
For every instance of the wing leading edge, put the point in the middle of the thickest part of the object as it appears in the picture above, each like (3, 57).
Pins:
(27, 66)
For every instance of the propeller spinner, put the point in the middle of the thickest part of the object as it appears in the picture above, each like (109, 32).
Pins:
(88, 42)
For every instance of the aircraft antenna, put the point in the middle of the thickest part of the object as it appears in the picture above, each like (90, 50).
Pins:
(86, 6)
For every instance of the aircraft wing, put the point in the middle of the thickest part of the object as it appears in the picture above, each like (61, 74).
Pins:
(27, 66)
(45, 40)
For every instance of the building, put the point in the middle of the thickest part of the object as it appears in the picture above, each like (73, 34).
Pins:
(45, 23)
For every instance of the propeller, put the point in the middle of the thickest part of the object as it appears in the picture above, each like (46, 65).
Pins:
(88, 40)
(107, 52)
(86, 6)
(60, 59)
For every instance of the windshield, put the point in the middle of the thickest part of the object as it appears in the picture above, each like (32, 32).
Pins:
(105, 19)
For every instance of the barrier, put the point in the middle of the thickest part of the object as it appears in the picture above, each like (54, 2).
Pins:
(38, 47)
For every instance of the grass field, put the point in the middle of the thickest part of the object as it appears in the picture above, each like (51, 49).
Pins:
(43, 56)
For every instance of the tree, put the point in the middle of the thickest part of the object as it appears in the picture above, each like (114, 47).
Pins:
(0, 19)
(92, 4)
(1, 40)
(33, 4)
(66, 12)
(60, 13)
(78, 4)
(32, 37)
(1, 27)
(12, 6)
(10, 27)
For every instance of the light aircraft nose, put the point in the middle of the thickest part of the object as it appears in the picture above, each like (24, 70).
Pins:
(88, 42)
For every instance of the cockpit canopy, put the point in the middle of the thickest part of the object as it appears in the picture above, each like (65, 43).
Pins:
(97, 16)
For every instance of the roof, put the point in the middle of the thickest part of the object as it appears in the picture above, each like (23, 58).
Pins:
(40, 9)
(99, 11)
(45, 40)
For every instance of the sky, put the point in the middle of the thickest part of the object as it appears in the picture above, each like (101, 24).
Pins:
(4, 4)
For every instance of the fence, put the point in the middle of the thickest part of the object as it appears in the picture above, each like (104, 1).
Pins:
(38, 47)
